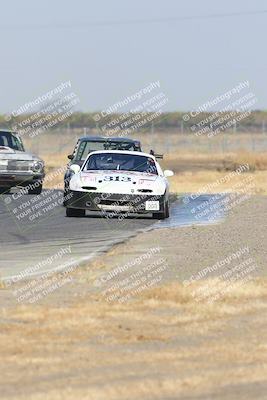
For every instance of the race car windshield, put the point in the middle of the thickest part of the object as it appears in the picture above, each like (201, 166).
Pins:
(121, 162)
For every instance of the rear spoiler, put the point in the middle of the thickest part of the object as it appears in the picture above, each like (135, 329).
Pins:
(159, 156)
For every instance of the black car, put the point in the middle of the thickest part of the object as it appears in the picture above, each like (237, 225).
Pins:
(86, 144)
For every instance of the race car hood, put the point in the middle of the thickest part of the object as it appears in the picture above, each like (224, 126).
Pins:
(128, 182)
(130, 176)
(6, 153)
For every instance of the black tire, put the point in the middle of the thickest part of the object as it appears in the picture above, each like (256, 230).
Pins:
(167, 210)
(65, 194)
(4, 190)
(37, 190)
(74, 212)
(163, 215)
(158, 216)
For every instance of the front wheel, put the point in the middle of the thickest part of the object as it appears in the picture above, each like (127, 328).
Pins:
(74, 212)
(4, 190)
(36, 190)
(163, 215)
(167, 210)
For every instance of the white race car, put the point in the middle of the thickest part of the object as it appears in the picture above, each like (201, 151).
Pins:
(118, 181)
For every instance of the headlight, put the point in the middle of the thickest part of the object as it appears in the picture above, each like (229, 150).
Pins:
(37, 166)
(75, 182)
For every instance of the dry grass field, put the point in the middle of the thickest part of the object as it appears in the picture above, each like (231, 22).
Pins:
(163, 345)
(197, 172)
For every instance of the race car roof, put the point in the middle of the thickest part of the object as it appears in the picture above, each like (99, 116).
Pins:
(133, 153)
(9, 132)
(108, 139)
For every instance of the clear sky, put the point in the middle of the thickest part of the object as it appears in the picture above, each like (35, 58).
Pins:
(108, 52)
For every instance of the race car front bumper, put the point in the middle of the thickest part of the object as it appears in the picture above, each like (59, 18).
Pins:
(110, 202)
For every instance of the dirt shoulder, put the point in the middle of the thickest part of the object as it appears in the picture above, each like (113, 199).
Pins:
(166, 341)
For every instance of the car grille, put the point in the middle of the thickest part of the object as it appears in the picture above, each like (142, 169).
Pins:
(89, 187)
(145, 190)
(14, 165)
(114, 202)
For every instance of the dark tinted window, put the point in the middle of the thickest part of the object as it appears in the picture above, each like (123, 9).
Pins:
(86, 148)
(12, 141)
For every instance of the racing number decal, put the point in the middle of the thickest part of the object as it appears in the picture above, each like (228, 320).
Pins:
(124, 178)
(117, 178)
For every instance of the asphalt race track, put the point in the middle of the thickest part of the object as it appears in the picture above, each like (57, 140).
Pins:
(34, 228)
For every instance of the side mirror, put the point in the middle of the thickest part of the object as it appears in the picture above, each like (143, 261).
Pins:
(75, 168)
(70, 157)
(168, 173)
